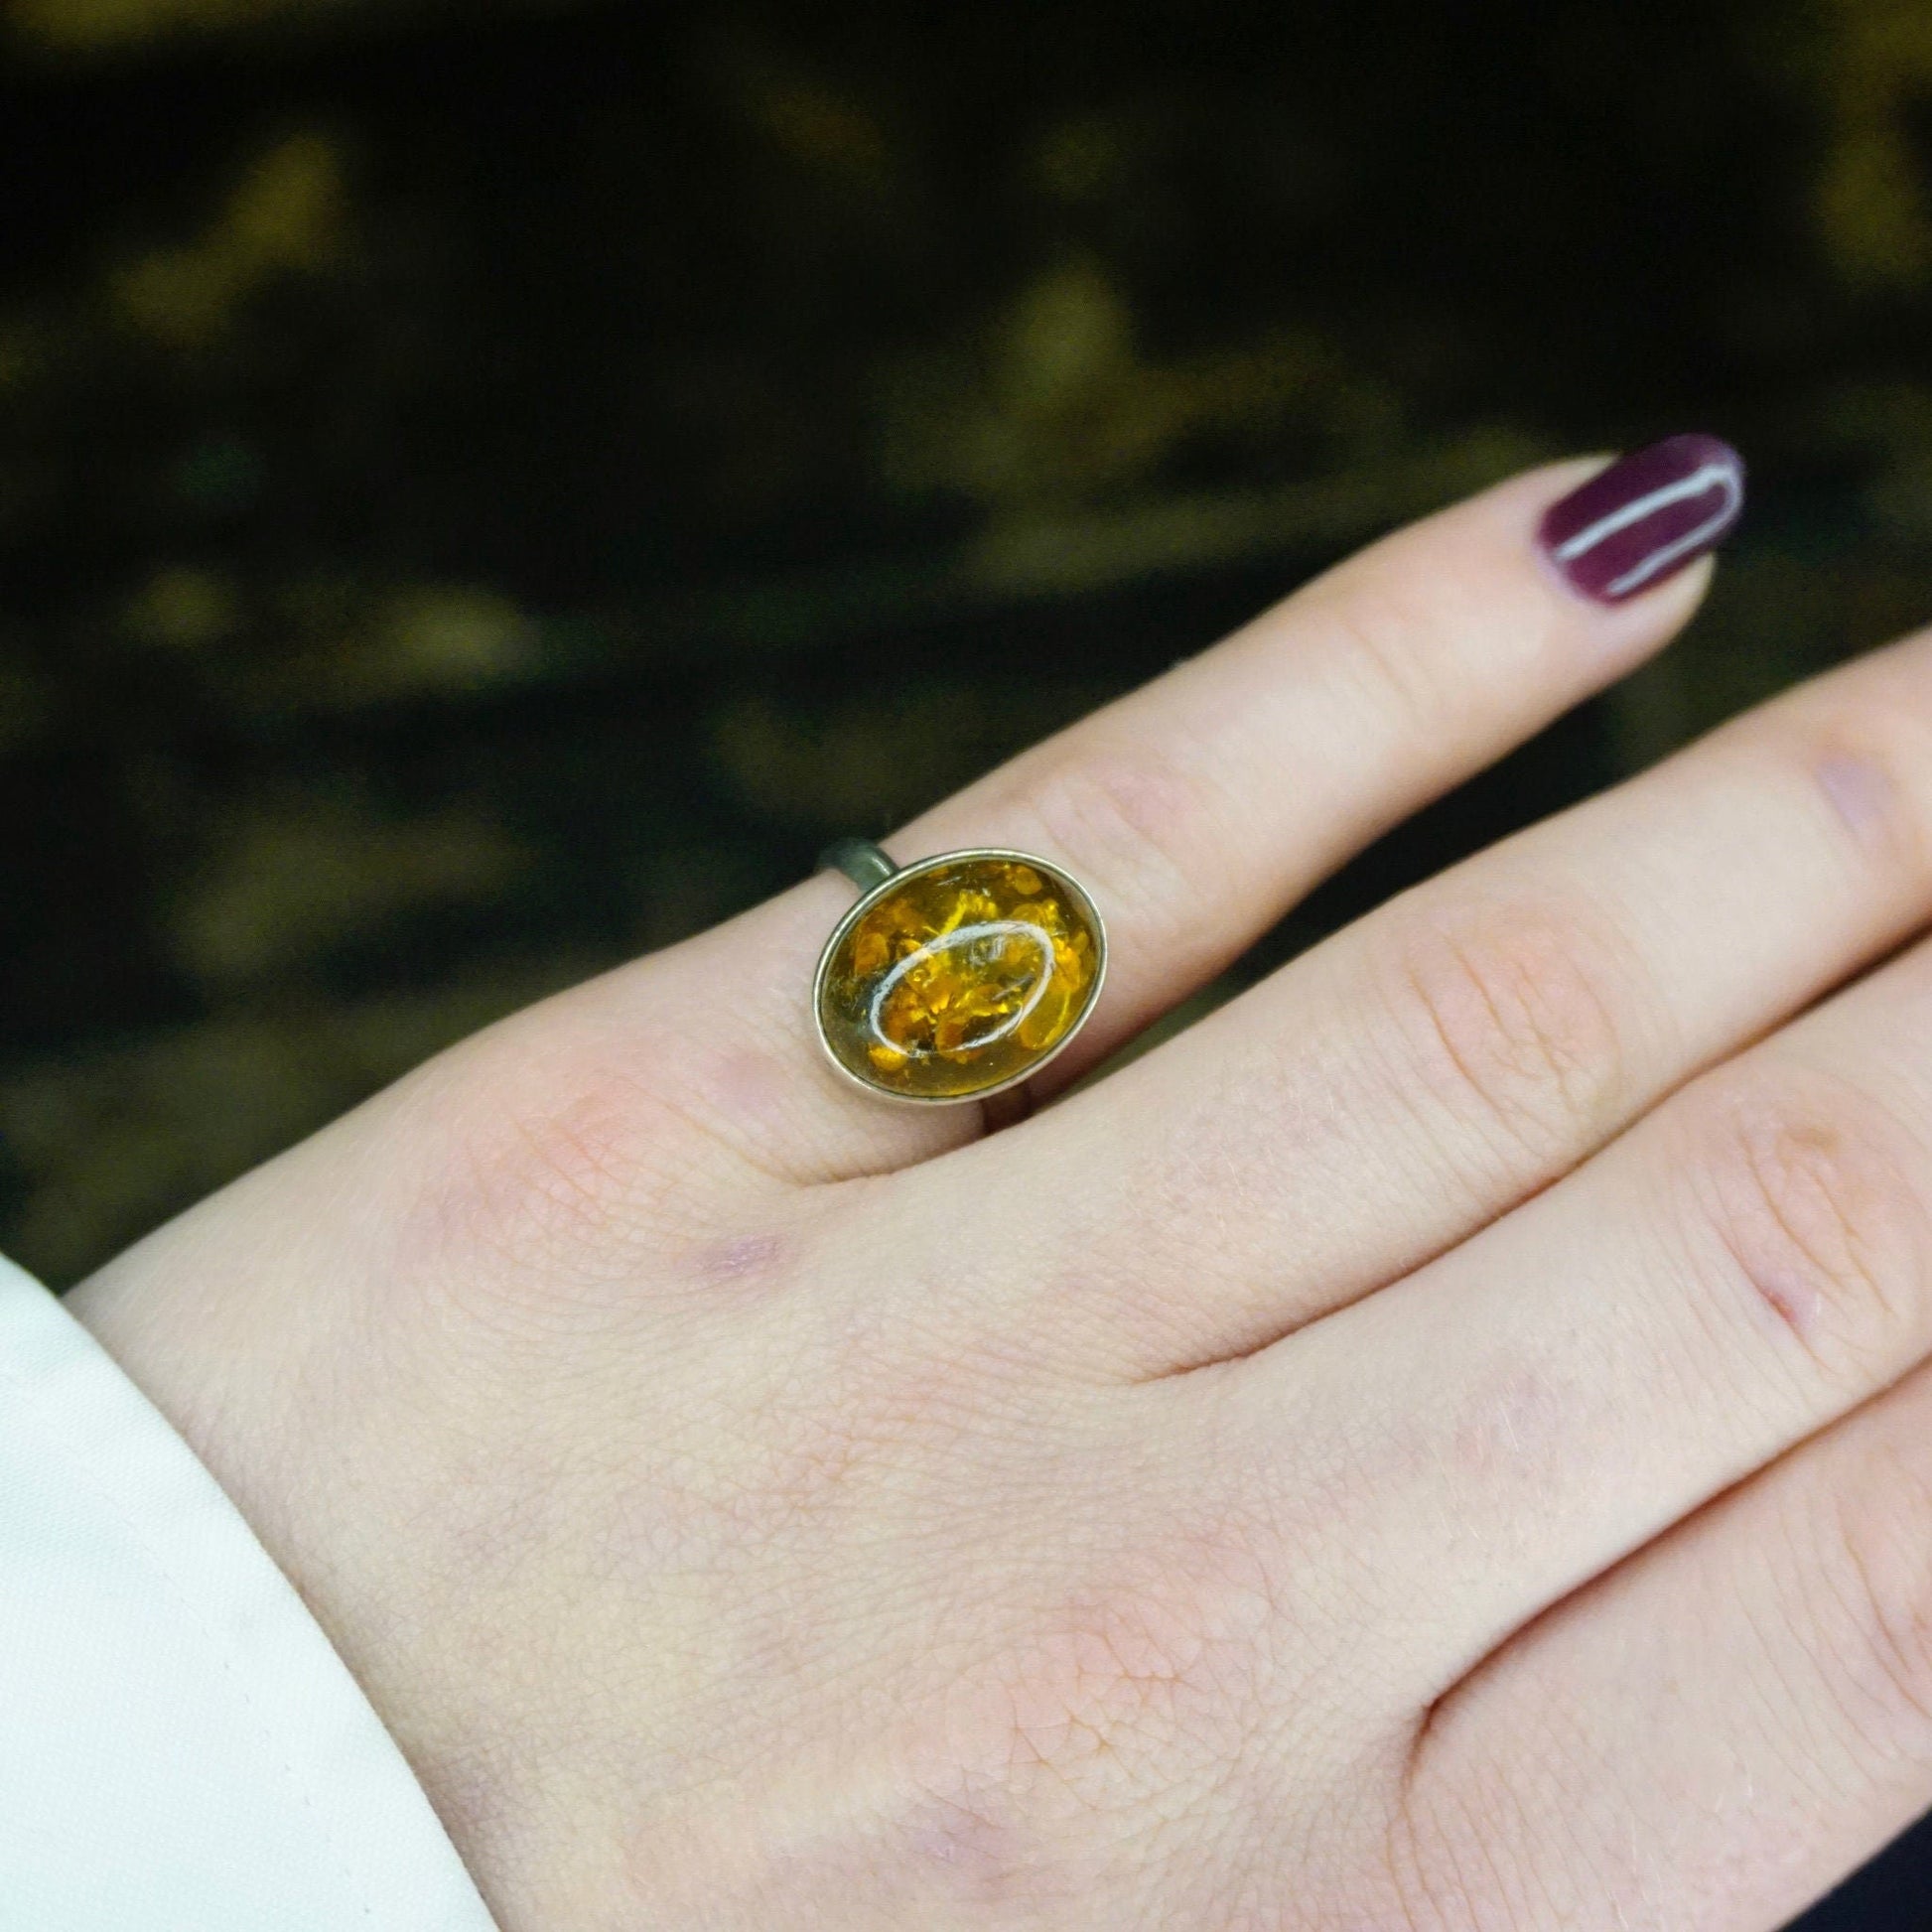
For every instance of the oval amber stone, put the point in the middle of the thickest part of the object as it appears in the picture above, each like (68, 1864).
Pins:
(959, 974)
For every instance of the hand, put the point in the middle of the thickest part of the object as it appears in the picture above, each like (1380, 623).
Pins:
(1440, 1444)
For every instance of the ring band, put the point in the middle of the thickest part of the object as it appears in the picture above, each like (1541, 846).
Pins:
(957, 976)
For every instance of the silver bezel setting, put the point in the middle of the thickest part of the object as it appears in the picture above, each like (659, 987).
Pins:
(1082, 900)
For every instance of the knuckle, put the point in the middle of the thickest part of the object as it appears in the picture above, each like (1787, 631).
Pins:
(1512, 1017)
(538, 1183)
(1384, 637)
(1806, 1185)
(1138, 817)
(1878, 1574)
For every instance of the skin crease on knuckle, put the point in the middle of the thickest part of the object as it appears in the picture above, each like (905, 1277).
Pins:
(1805, 1188)
(1136, 819)
(1506, 1018)
(1378, 628)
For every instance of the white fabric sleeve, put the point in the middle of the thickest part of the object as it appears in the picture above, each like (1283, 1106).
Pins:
(181, 1750)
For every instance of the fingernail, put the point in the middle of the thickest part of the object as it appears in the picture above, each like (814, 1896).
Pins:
(1645, 517)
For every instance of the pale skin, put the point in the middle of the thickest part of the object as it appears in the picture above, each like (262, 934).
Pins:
(1444, 1444)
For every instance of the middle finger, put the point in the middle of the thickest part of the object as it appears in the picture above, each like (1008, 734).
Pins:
(1416, 1077)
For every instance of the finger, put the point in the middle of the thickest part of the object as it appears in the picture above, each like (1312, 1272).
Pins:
(1197, 810)
(1406, 1082)
(1201, 806)
(1738, 1271)
(1713, 1735)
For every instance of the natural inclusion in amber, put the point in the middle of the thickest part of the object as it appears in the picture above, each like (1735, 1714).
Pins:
(959, 975)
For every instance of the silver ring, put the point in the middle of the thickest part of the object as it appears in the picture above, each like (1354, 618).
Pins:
(958, 976)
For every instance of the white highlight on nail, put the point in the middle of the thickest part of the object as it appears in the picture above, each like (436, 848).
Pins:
(1710, 475)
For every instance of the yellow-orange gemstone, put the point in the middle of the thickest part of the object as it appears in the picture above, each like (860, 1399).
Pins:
(962, 973)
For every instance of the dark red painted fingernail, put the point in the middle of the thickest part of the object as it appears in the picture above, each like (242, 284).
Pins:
(1647, 517)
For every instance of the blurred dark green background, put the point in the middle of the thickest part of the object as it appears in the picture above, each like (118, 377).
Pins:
(484, 490)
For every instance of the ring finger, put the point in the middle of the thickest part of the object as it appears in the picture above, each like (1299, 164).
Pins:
(1199, 809)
